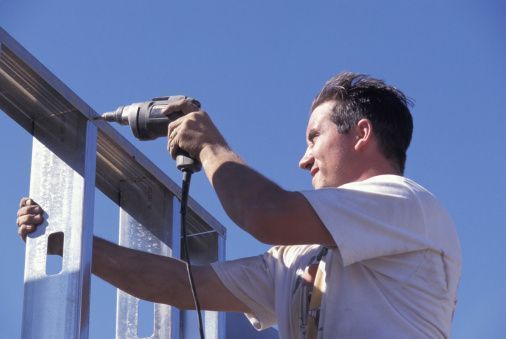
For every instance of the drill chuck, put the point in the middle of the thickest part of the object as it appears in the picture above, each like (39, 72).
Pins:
(116, 116)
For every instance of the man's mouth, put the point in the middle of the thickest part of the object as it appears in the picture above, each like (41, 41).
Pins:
(314, 170)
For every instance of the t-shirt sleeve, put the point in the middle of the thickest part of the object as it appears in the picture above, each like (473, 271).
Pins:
(250, 280)
(370, 220)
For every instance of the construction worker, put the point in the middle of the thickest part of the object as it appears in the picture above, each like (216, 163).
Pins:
(368, 253)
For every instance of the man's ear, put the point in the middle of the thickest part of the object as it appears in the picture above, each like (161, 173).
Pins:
(364, 134)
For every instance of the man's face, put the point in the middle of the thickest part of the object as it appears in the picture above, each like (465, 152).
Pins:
(329, 155)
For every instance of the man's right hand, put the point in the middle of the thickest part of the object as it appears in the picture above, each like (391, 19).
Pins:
(30, 215)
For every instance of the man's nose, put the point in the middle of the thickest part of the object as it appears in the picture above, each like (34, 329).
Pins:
(307, 161)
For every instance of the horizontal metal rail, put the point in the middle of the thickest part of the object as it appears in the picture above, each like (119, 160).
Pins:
(31, 95)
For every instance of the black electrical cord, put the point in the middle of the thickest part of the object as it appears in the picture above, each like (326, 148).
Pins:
(187, 174)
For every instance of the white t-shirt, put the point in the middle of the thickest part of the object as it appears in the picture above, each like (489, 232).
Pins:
(393, 274)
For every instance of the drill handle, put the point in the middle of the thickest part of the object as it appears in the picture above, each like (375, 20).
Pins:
(153, 123)
(184, 162)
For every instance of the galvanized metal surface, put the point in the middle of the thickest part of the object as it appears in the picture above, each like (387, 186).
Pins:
(63, 180)
(222, 319)
(153, 236)
(57, 306)
(215, 321)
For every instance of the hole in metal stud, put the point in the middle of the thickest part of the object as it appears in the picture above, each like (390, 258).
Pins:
(146, 319)
(54, 260)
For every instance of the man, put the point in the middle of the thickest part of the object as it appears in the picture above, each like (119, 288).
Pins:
(383, 259)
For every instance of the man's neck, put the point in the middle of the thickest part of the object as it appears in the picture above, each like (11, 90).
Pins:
(380, 167)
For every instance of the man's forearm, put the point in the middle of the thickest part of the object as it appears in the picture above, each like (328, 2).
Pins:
(161, 279)
(143, 275)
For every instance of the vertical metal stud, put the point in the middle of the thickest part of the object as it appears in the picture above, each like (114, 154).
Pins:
(145, 225)
(57, 306)
(222, 325)
(215, 321)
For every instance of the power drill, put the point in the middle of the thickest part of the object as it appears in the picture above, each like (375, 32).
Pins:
(147, 121)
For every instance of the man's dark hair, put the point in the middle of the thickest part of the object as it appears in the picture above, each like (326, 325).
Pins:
(358, 96)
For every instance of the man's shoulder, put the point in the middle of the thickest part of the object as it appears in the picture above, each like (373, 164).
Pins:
(386, 183)
(389, 187)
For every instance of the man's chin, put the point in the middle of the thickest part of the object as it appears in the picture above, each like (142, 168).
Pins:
(318, 184)
(320, 181)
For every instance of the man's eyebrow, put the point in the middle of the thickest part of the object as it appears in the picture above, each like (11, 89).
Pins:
(312, 132)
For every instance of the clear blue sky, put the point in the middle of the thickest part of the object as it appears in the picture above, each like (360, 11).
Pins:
(255, 66)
